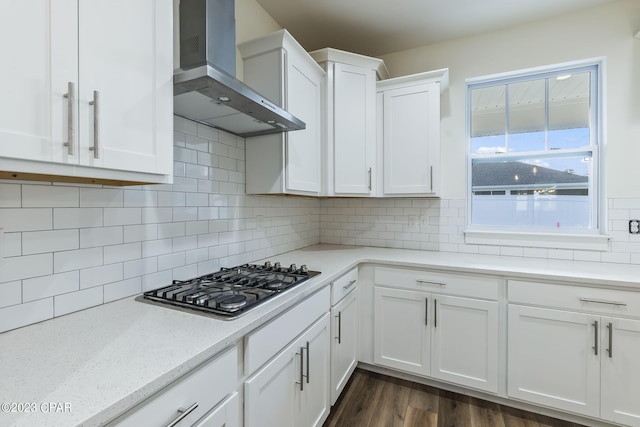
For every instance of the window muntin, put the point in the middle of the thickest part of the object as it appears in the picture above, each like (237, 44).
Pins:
(533, 151)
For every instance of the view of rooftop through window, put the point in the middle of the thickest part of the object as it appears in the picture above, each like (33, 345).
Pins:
(532, 151)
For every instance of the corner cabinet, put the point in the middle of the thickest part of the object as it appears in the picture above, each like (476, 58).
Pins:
(280, 69)
(575, 349)
(344, 331)
(439, 325)
(349, 106)
(409, 134)
(92, 95)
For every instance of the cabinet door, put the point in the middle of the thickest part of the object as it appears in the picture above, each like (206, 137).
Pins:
(344, 333)
(620, 371)
(312, 400)
(354, 129)
(38, 40)
(465, 342)
(269, 395)
(552, 359)
(401, 330)
(125, 57)
(411, 138)
(303, 146)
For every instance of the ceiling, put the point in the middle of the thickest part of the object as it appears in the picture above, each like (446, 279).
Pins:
(377, 27)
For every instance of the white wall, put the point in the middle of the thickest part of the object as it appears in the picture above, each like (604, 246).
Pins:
(605, 31)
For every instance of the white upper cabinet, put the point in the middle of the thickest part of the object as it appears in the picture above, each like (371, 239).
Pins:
(409, 134)
(90, 94)
(349, 105)
(280, 69)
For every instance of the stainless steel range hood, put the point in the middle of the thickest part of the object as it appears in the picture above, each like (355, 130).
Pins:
(205, 89)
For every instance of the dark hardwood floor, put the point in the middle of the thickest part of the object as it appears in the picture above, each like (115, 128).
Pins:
(374, 400)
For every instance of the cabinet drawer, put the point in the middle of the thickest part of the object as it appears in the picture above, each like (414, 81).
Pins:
(263, 344)
(452, 284)
(342, 286)
(204, 386)
(596, 300)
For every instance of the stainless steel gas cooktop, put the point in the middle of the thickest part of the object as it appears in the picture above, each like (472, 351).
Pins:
(231, 292)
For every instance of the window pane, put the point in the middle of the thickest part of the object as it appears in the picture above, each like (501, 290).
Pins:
(488, 120)
(551, 192)
(527, 116)
(569, 103)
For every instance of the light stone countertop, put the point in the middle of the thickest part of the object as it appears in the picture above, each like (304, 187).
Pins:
(105, 359)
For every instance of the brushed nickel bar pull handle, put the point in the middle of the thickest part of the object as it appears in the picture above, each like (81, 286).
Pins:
(301, 369)
(370, 183)
(307, 362)
(435, 313)
(339, 337)
(431, 177)
(183, 414)
(427, 282)
(603, 301)
(350, 284)
(71, 118)
(610, 349)
(426, 312)
(96, 124)
(595, 342)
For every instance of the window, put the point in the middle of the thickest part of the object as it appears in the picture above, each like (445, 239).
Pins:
(533, 154)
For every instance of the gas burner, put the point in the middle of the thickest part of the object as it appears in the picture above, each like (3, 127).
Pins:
(232, 302)
(275, 285)
(231, 291)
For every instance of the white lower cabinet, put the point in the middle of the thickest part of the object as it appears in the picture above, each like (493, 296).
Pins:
(579, 355)
(344, 331)
(551, 359)
(448, 337)
(293, 388)
(192, 397)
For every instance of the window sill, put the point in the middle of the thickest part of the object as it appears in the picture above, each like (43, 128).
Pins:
(585, 242)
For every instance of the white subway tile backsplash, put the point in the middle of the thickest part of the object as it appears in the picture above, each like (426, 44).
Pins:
(122, 289)
(112, 241)
(17, 316)
(10, 196)
(176, 259)
(26, 219)
(10, 293)
(76, 260)
(35, 242)
(39, 196)
(140, 233)
(155, 280)
(48, 286)
(137, 198)
(122, 216)
(173, 229)
(26, 266)
(171, 198)
(121, 253)
(12, 244)
(77, 218)
(140, 267)
(100, 236)
(157, 247)
(156, 215)
(96, 276)
(75, 301)
(101, 198)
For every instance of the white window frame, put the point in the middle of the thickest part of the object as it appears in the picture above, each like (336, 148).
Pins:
(592, 239)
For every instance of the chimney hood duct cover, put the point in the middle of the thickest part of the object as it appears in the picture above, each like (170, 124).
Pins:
(205, 89)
